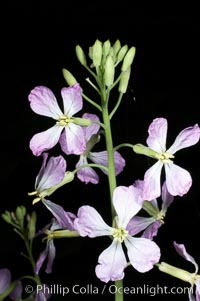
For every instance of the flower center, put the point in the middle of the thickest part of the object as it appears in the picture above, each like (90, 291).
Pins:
(63, 120)
(120, 234)
(166, 157)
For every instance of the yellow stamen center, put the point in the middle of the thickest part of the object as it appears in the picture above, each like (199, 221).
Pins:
(63, 120)
(166, 157)
(120, 234)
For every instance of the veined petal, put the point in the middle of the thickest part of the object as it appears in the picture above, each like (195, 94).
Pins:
(90, 223)
(72, 99)
(167, 198)
(41, 260)
(143, 253)
(127, 202)
(53, 173)
(72, 140)
(157, 135)
(112, 263)
(51, 256)
(65, 219)
(45, 140)
(152, 230)
(102, 158)
(138, 224)
(185, 138)
(181, 250)
(5, 278)
(178, 180)
(86, 174)
(151, 187)
(197, 293)
(43, 102)
(93, 128)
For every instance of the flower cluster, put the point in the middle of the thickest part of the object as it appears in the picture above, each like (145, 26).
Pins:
(131, 234)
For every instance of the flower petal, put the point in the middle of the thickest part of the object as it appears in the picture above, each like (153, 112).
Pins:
(157, 135)
(51, 256)
(185, 138)
(102, 158)
(90, 223)
(143, 253)
(127, 202)
(5, 278)
(86, 174)
(181, 250)
(197, 293)
(65, 219)
(72, 99)
(178, 180)
(152, 230)
(45, 140)
(93, 128)
(41, 260)
(16, 294)
(167, 198)
(112, 263)
(151, 187)
(43, 102)
(51, 174)
(138, 224)
(72, 140)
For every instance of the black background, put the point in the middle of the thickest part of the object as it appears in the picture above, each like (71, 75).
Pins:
(37, 41)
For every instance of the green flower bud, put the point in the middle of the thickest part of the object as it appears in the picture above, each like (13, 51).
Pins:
(116, 46)
(20, 214)
(97, 53)
(70, 79)
(128, 59)
(145, 150)
(81, 121)
(124, 80)
(106, 48)
(32, 225)
(7, 217)
(122, 53)
(81, 55)
(109, 71)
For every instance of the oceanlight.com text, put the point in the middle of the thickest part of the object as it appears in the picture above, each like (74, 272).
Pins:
(90, 289)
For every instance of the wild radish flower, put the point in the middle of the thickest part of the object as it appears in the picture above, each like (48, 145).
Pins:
(43, 102)
(88, 174)
(51, 176)
(178, 180)
(64, 220)
(142, 252)
(151, 225)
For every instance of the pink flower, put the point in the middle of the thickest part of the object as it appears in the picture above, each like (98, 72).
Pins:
(43, 102)
(88, 174)
(142, 252)
(178, 180)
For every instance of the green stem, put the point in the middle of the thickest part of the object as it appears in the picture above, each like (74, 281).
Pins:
(110, 151)
(117, 105)
(123, 145)
(119, 296)
(91, 102)
(31, 259)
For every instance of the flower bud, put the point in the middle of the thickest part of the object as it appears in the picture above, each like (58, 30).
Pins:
(109, 71)
(122, 53)
(97, 53)
(70, 79)
(128, 59)
(116, 47)
(32, 225)
(106, 48)
(123, 84)
(20, 214)
(81, 55)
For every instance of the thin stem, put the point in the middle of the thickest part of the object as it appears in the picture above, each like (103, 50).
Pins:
(92, 102)
(123, 145)
(119, 296)
(93, 85)
(117, 105)
(90, 165)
